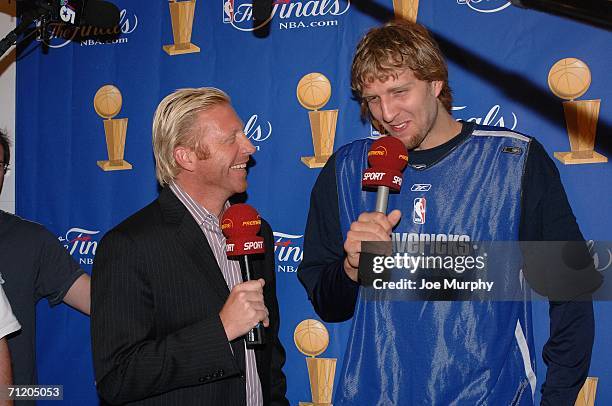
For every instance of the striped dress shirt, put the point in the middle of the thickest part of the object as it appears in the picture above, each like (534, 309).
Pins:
(209, 224)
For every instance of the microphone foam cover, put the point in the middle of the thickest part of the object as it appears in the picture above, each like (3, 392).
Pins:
(388, 153)
(240, 224)
(387, 158)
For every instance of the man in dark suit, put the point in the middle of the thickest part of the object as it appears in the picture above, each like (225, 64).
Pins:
(169, 310)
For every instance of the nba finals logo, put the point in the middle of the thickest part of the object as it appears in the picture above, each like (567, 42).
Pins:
(406, 9)
(313, 92)
(181, 13)
(81, 243)
(570, 78)
(311, 339)
(485, 6)
(290, 14)
(107, 103)
(288, 251)
(257, 132)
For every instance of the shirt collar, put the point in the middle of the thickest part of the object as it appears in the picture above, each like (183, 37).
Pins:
(199, 213)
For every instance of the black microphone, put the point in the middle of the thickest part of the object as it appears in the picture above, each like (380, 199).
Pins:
(262, 9)
(101, 14)
(89, 13)
(79, 13)
(240, 225)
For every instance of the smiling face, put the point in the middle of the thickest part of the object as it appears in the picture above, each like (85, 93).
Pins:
(218, 169)
(405, 106)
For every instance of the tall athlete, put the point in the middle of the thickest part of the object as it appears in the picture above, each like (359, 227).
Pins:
(439, 352)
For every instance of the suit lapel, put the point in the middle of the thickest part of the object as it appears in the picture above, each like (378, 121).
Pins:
(192, 239)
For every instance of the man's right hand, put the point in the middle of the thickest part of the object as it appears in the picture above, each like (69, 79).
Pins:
(372, 226)
(244, 308)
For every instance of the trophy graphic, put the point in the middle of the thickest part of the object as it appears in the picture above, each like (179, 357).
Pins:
(311, 338)
(181, 13)
(586, 396)
(313, 92)
(107, 103)
(569, 79)
(406, 9)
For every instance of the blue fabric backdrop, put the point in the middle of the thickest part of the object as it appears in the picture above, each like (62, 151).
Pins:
(499, 58)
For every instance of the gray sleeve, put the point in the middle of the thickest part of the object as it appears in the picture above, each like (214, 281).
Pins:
(56, 270)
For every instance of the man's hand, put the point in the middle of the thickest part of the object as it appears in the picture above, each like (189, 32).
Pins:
(368, 227)
(244, 308)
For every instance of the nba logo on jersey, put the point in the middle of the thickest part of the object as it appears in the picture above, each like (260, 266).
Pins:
(418, 214)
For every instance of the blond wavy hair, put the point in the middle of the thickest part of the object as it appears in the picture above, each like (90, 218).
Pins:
(173, 126)
(398, 45)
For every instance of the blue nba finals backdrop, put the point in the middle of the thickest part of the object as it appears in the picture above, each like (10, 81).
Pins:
(87, 103)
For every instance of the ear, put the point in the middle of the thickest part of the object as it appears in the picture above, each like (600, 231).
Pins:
(185, 158)
(436, 87)
(377, 125)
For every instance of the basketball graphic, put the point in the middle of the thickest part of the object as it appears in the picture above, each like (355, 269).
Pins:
(313, 91)
(311, 337)
(569, 78)
(108, 101)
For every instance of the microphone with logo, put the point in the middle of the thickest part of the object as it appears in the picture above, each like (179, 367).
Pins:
(387, 158)
(94, 13)
(240, 225)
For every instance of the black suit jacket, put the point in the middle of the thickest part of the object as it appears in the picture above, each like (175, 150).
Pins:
(156, 333)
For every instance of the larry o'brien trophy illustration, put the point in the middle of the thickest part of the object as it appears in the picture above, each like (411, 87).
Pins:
(311, 338)
(313, 92)
(181, 13)
(107, 103)
(406, 9)
(570, 78)
(586, 396)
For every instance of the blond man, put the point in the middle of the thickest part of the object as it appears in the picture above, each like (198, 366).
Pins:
(169, 311)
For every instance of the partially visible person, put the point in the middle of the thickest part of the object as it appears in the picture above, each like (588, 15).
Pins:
(34, 265)
(8, 325)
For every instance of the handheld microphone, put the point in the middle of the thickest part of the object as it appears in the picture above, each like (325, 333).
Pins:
(240, 225)
(92, 13)
(387, 158)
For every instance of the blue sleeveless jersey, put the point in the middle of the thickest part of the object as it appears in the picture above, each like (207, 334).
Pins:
(442, 352)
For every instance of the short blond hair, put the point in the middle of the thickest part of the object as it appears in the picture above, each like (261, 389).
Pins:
(385, 51)
(173, 126)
